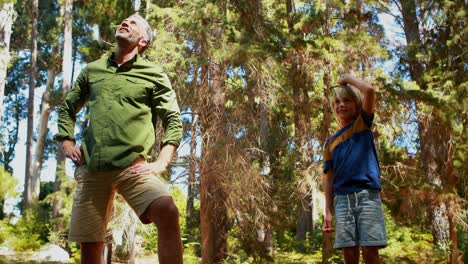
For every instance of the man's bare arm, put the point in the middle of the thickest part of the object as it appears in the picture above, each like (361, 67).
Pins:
(160, 165)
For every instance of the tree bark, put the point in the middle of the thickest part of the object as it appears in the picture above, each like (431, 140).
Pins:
(453, 232)
(413, 40)
(7, 17)
(67, 63)
(46, 108)
(301, 107)
(67, 72)
(433, 136)
(327, 240)
(28, 196)
(192, 218)
(298, 81)
(213, 211)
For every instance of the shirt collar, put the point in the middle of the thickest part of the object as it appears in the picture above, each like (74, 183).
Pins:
(126, 66)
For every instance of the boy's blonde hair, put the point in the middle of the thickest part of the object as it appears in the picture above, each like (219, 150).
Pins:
(350, 92)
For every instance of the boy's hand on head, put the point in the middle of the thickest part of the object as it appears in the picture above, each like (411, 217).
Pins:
(345, 80)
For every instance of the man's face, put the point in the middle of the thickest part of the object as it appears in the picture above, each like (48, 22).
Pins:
(131, 30)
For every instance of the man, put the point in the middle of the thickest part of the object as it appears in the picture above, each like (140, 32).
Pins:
(125, 94)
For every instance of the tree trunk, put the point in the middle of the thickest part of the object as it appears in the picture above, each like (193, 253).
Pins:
(7, 17)
(67, 64)
(433, 136)
(327, 240)
(59, 171)
(213, 211)
(67, 72)
(413, 40)
(46, 108)
(304, 222)
(192, 219)
(265, 163)
(28, 196)
(252, 21)
(453, 232)
(301, 123)
(148, 9)
(298, 81)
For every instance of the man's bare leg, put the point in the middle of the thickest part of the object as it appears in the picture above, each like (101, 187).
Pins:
(165, 215)
(91, 252)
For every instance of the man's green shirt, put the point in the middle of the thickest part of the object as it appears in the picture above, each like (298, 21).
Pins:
(123, 105)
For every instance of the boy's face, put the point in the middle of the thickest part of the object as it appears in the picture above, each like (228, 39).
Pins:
(345, 109)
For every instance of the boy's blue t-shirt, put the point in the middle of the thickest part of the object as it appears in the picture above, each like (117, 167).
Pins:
(352, 156)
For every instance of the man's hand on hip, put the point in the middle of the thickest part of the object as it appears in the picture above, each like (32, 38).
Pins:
(147, 168)
(73, 152)
(157, 167)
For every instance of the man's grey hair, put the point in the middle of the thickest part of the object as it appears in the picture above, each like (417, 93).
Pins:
(148, 31)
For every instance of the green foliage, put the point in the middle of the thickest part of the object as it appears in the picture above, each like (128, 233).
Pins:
(30, 232)
(408, 244)
(2, 2)
(297, 258)
(5, 231)
(191, 252)
(8, 186)
(58, 226)
(75, 256)
(277, 62)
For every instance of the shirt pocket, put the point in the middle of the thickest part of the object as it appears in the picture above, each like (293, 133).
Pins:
(97, 87)
(136, 90)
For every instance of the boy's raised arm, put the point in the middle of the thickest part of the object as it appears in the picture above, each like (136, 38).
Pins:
(367, 90)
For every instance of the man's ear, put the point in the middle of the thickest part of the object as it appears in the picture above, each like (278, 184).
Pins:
(143, 42)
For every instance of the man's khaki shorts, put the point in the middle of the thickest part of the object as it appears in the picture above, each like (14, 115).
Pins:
(94, 196)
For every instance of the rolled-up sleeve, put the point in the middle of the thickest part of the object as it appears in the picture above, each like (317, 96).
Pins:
(165, 105)
(74, 101)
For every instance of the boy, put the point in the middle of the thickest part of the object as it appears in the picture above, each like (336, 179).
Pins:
(351, 178)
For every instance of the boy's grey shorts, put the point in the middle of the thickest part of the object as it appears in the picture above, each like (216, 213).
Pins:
(359, 220)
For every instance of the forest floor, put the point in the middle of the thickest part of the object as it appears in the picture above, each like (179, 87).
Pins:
(27, 258)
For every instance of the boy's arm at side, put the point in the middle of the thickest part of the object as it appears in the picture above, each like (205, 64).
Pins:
(327, 184)
(368, 91)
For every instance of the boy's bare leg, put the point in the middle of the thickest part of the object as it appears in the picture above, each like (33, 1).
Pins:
(351, 255)
(91, 252)
(371, 255)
